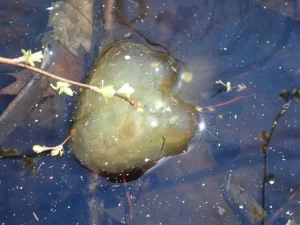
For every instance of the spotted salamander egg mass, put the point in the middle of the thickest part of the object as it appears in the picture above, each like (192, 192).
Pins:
(115, 136)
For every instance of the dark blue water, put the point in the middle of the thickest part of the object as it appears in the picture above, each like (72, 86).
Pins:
(255, 43)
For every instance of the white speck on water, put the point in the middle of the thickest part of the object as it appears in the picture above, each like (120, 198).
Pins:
(127, 35)
(127, 57)
(221, 211)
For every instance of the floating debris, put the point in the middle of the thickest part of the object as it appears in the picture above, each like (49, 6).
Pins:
(227, 85)
(221, 211)
(241, 87)
(35, 216)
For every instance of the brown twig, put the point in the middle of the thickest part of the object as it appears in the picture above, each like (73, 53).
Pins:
(35, 69)
(17, 63)
(130, 101)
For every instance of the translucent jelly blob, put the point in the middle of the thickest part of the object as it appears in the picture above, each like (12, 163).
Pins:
(114, 136)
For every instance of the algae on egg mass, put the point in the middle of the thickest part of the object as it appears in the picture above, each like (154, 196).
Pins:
(115, 136)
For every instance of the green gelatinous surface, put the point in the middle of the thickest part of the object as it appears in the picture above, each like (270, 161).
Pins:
(117, 137)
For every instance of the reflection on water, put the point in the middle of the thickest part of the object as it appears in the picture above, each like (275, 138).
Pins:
(219, 180)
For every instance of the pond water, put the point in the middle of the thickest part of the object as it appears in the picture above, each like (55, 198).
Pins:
(223, 178)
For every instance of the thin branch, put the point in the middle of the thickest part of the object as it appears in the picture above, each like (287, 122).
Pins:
(55, 150)
(17, 63)
(228, 102)
(130, 101)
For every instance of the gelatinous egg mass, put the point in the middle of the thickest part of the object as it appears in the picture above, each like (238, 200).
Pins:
(115, 136)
